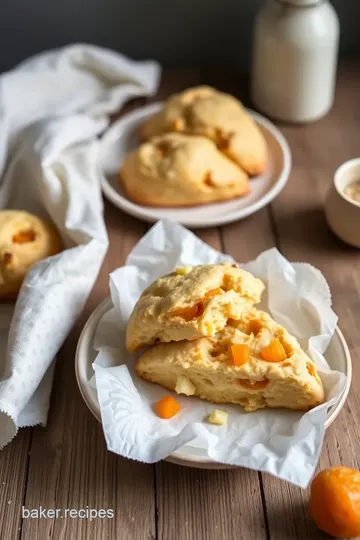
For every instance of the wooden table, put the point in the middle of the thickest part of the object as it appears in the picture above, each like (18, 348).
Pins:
(67, 464)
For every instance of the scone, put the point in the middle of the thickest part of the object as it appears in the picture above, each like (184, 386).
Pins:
(180, 170)
(191, 302)
(218, 116)
(24, 240)
(205, 367)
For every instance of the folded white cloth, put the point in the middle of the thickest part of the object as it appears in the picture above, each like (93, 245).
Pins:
(52, 108)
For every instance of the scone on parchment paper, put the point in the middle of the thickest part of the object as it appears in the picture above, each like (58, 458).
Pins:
(204, 367)
(25, 239)
(180, 170)
(220, 117)
(191, 302)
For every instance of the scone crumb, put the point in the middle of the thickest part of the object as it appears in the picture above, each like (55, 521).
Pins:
(183, 270)
(178, 124)
(218, 417)
(184, 386)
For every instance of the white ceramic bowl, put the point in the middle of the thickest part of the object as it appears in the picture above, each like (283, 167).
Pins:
(343, 213)
(191, 455)
(122, 137)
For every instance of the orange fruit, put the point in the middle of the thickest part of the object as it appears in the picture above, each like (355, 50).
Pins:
(335, 501)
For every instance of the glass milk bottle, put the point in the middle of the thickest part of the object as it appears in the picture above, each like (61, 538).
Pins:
(294, 59)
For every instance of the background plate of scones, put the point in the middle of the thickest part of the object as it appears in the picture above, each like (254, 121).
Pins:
(199, 159)
(205, 362)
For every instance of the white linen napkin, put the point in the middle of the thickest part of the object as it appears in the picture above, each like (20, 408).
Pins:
(52, 108)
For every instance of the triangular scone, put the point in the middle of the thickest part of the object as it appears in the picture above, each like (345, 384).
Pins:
(220, 117)
(191, 302)
(205, 367)
(181, 170)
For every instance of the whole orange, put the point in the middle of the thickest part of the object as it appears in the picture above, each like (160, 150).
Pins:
(335, 501)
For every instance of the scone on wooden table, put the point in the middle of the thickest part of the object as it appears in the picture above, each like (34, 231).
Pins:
(191, 302)
(24, 240)
(253, 362)
(181, 170)
(218, 116)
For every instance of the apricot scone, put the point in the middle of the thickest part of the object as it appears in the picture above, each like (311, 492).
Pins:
(180, 170)
(192, 302)
(24, 240)
(220, 117)
(253, 362)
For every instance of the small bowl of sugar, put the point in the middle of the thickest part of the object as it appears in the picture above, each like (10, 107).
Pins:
(342, 203)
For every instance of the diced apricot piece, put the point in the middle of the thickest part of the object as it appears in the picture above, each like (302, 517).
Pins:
(188, 313)
(311, 369)
(167, 407)
(254, 327)
(253, 385)
(208, 179)
(23, 237)
(213, 292)
(177, 124)
(240, 354)
(274, 352)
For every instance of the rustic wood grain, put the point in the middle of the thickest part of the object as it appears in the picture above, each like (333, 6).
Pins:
(67, 465)
(212, 505)
(185, 496)
(195, 503)
(70, 466)
(13, 473)
(303, 235)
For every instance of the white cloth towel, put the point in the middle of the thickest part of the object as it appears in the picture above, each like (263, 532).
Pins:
(52, 108)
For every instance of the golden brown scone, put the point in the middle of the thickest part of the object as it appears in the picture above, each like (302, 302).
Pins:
(180, 170)
(204, 367)
(24, 240)
(218, 116)
(191, 302)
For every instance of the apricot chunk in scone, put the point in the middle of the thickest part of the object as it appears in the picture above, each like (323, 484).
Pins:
(187, 313)
(213, 292)
(274, 352)
(240, 354)
(335, 501)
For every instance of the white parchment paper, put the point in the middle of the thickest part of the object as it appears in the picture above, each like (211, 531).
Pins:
(284, 443)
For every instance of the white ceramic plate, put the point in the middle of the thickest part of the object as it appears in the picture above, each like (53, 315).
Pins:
(191, 455)
(121, 137)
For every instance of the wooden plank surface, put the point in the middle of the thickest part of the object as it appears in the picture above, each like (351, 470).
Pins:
(303, 235)
(67, 465)
(70, 466)
(14, 461)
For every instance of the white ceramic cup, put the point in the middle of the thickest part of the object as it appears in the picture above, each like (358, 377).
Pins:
(343, 213)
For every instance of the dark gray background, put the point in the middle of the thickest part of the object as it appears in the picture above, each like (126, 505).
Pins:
(176, 32)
